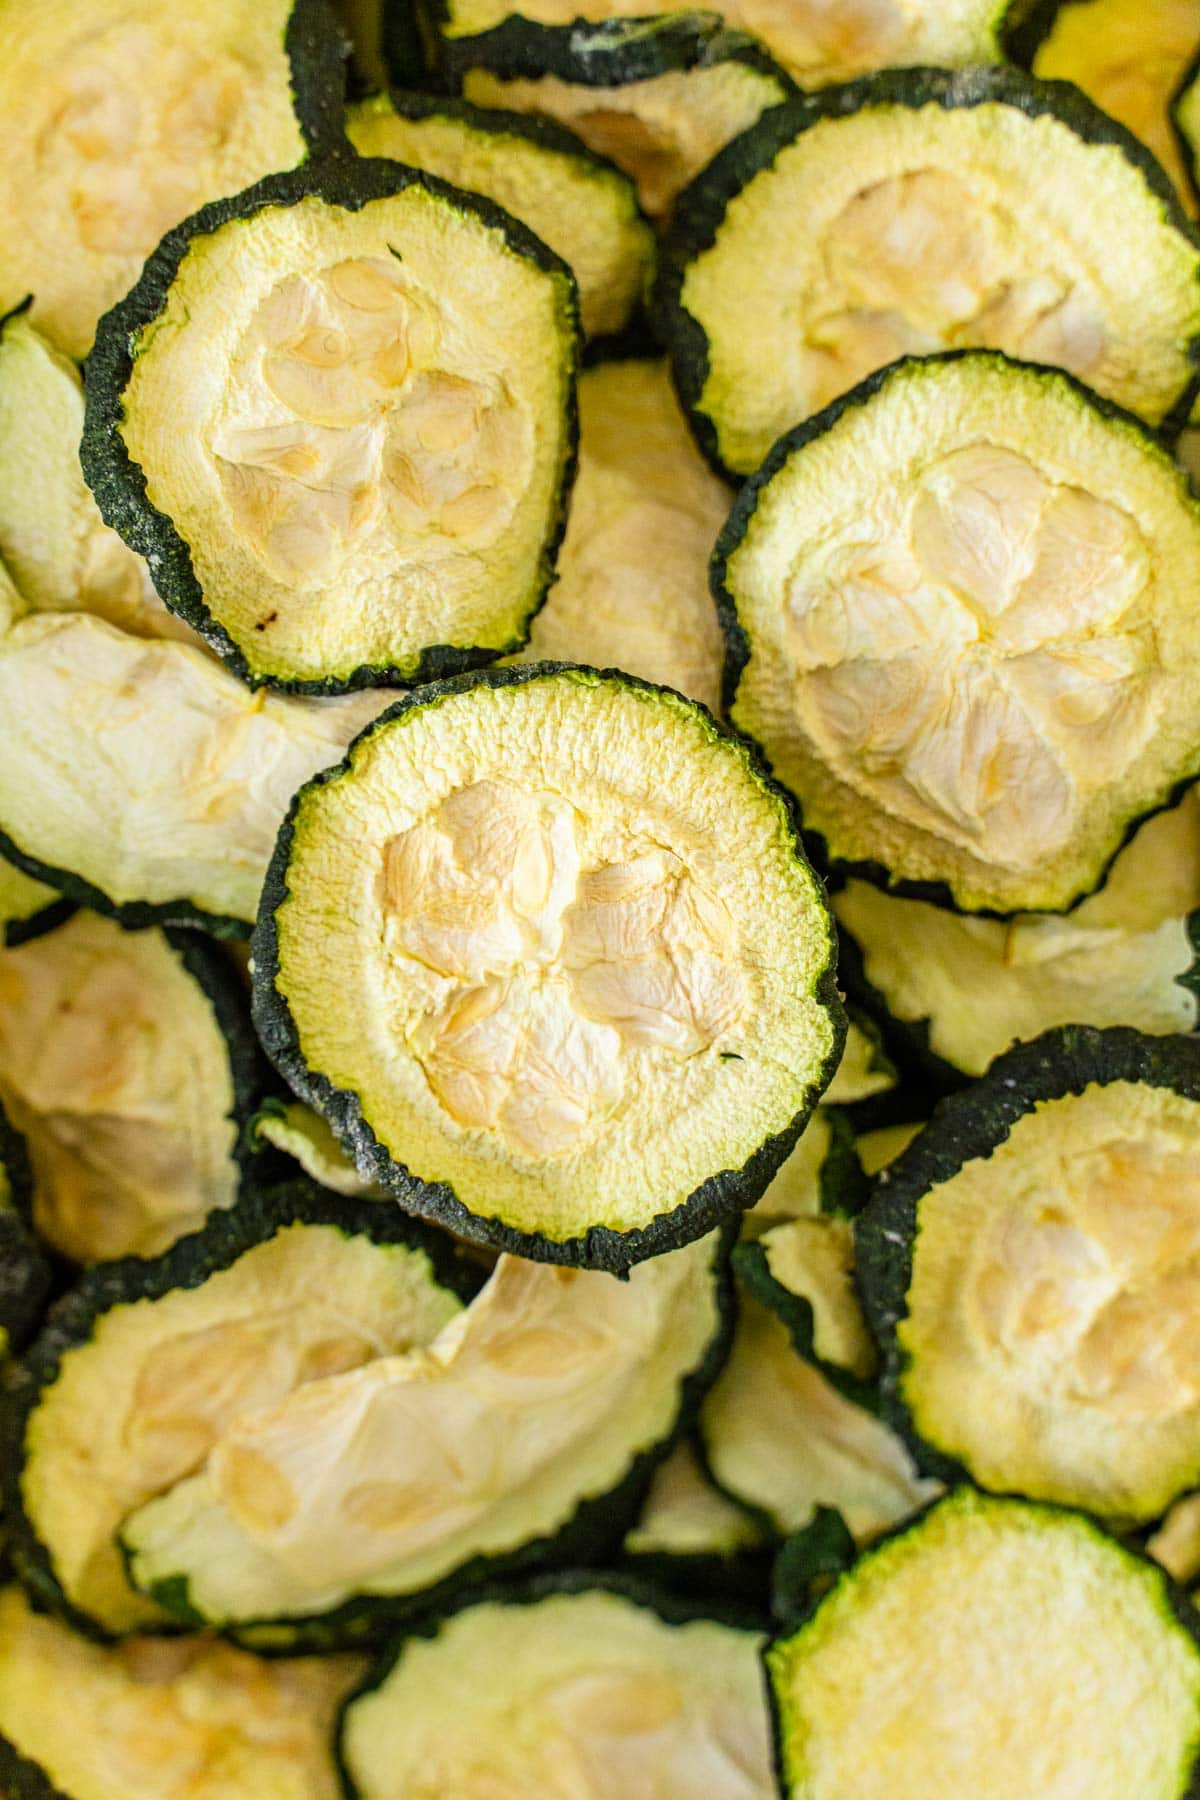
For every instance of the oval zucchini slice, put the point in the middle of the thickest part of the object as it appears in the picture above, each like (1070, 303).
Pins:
(128, 1061)
(1029, 1268)
(582, 206)
(27, 907)
(897, 216)
(337, 416)
(578, 1679)
(976, 695)
(995, 1648)
(592, 1002)
(140, 1369)
(123, 116)
(24, 1275)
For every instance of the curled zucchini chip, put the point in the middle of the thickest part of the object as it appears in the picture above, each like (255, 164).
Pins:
(658, 95)
(992, 1648)
(24, 1276)
(144, 1365)
(1030, 1268)
(978, 693)
(337, 416)
(306, 1137)
(963, 989)
(632, 585)
(145, 780)
(122, 116)
(580, 205)
(575, 1684)
(167, 1718)
(127, 1060)
(898, 217)
(592, 1001)
(27, 907)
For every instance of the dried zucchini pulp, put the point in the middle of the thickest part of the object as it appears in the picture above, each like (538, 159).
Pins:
(591, 1002)
(337, 416)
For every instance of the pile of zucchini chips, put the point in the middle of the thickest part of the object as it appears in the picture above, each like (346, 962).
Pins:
(599, 900)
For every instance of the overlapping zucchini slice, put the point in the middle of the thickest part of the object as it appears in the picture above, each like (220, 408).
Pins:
(580, 205)
(528, 1428)
(128, 1062)
(123, 116)
(1030, 1265)
(960, 618)
(580, 1684)
(145, 1365)
(991, 1648)
(547, 955)
(161, 1718)
(917, 211)
(963, 988)
(27, 907)
(24, 1276)
(336, 415)
(658, 94)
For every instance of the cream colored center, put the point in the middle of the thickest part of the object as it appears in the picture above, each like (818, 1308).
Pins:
(540, 969)
(982, 667)
(827, 40)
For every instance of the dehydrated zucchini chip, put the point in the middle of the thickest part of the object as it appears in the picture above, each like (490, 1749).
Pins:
(916, 211)
(336, 414)
(580, 205)
(123, 116)
(27, 907)
(962, 989)
(1031, 1268)
(528, 1429)
(658, 95)
(960, 612)
(991, 1648)
(24, 1276)
(128, 1062)
(141, 1368)
(573, 1684)
(145, 780)
(161, 1718)
(546, 953)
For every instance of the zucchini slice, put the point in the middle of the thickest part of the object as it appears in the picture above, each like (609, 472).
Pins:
(122, 116)
(305, 1136)
(657, 95)
(161, 1718)
(27, 907)
(582, 206)
(592, 1001)
(1028, 1267)
(902, 215)
(976, 695)
(142, 1367)
(632, 586)
(575, 1684)
(991, 1648)
(803, 1270)
(128, 1062)
(100, 727)
(337, 416)
(527, 1430)
(24, 1275)
(963, 989)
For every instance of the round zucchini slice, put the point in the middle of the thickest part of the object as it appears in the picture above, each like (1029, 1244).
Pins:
(963, 989)
(1029, 1267)
(24, 1275)
(27, 907)
(142, 1367)
(161, 1718)
(123, 116)
(145, 780)
(546, 953)
(658, 95)
(128, 1061)
(976, 695)
(632, 586)
(579, 204)
(992, 1648)
(576, 1683)
(902, 215)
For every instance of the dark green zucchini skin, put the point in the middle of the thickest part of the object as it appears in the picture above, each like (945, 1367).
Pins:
(701, 207)
(711, 1205)
(119, 484)
(226, 1235)
(21, 1779)
(971, 1125)
(317, 49)
(23, 931)
(24, 1271)
(402, 45)
(77, 891)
